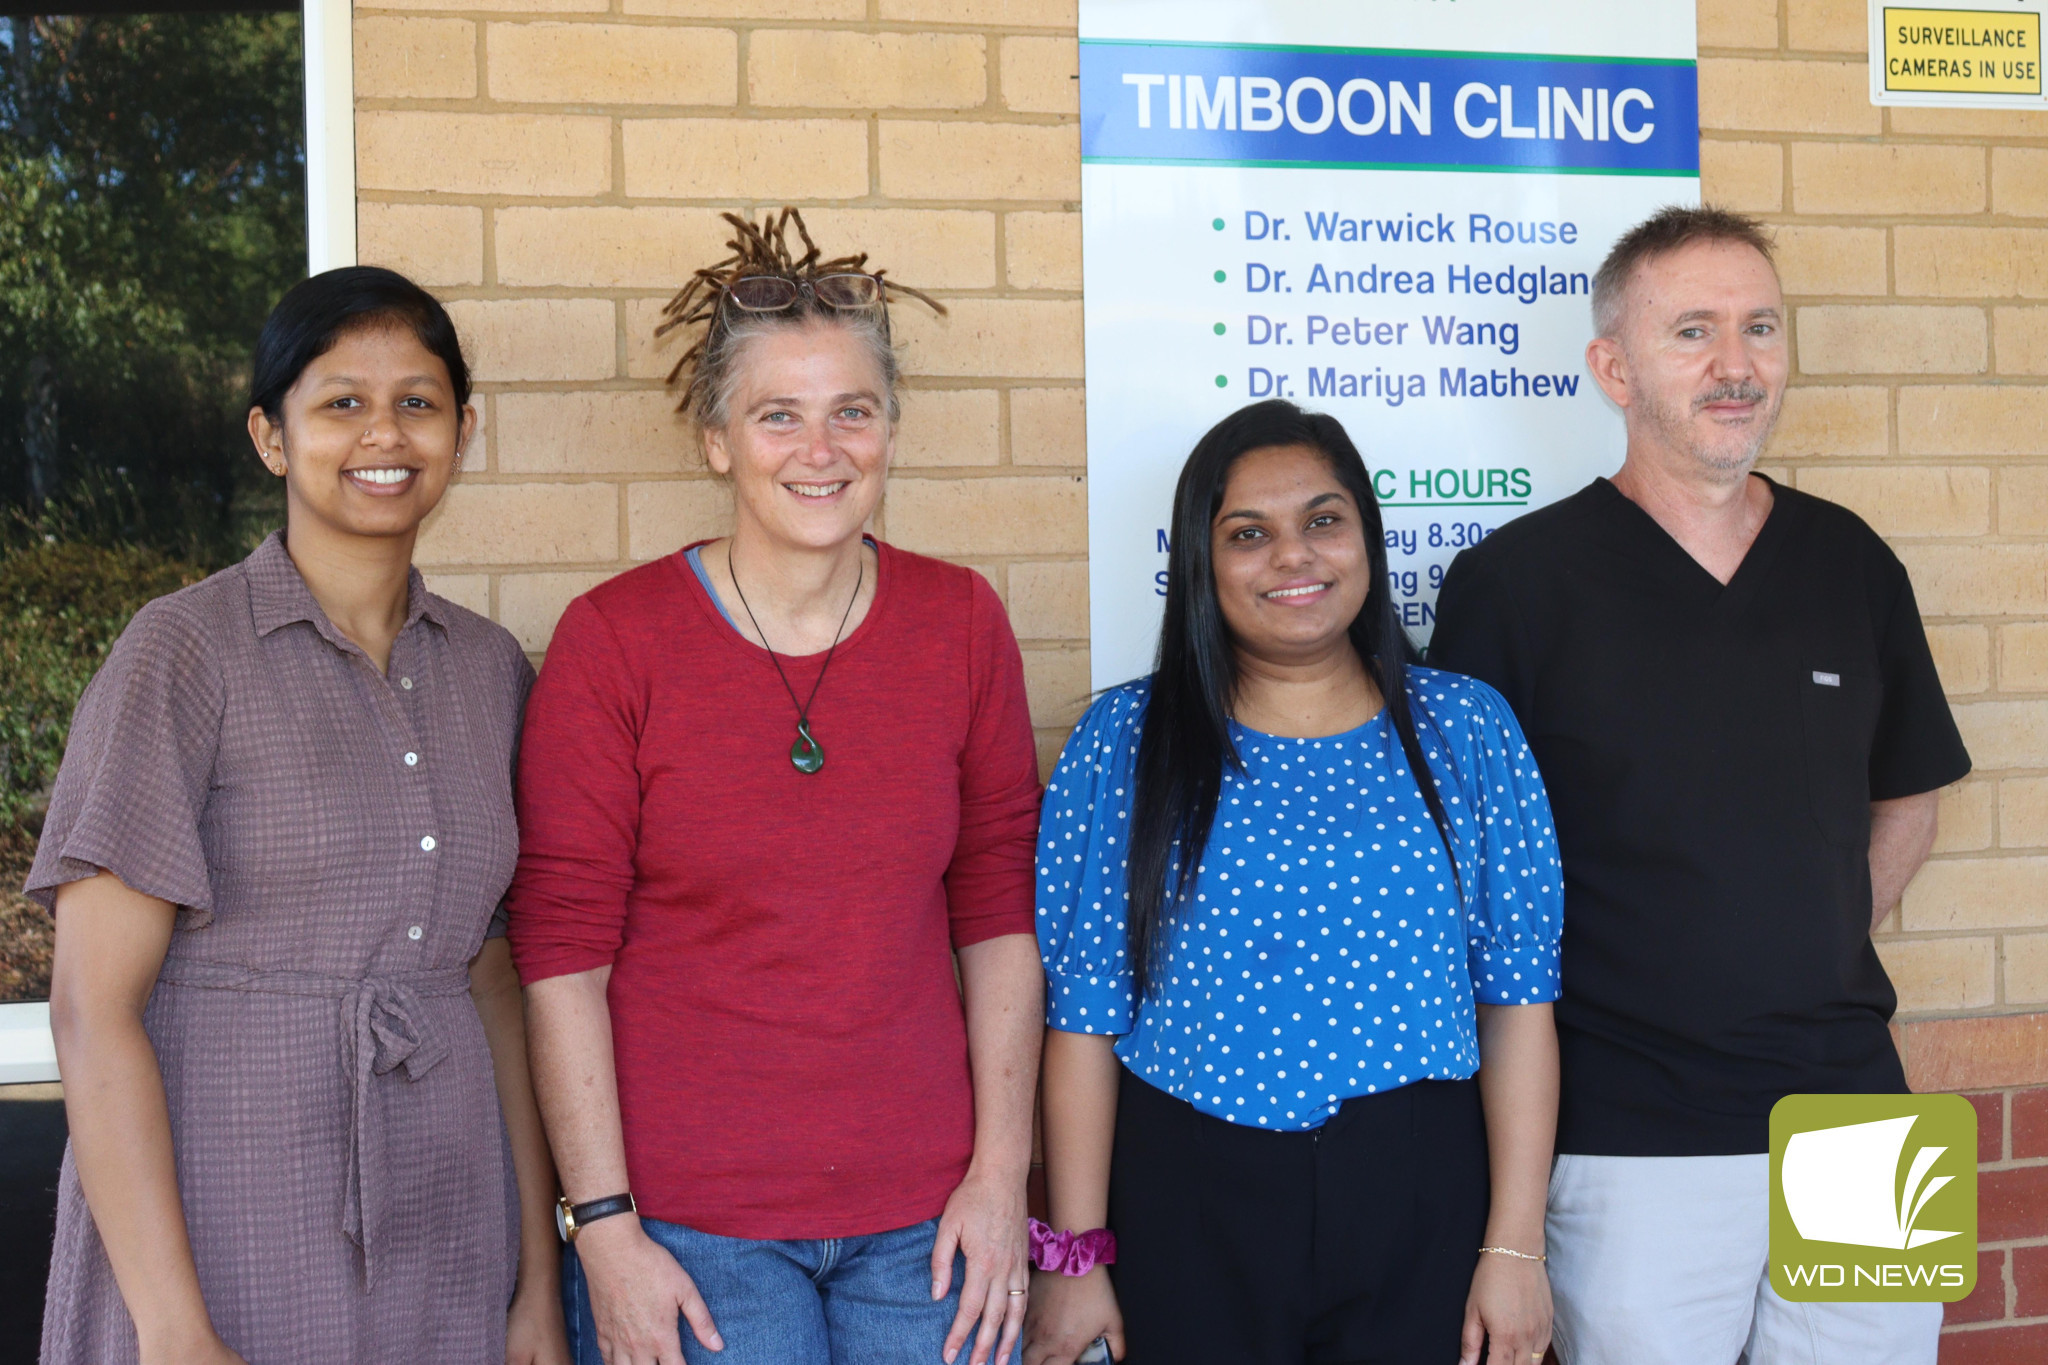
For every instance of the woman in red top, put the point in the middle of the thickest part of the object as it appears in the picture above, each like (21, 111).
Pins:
(769, 787)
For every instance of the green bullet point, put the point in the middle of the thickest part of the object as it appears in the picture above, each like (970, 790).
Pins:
(1219, 329)
(1219, 277)
(1221, 382)
(1218, 225)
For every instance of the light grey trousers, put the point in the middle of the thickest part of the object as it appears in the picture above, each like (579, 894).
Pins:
(1662, 1261)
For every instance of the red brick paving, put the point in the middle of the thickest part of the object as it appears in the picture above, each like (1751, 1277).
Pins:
(2012, 1205)
(1987, 1301)
(1990, 1125)
(1996, 1346)
(2030, 1279)
(2029, 1124)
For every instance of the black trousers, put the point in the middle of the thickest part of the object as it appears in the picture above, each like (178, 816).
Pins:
(1350, 1245)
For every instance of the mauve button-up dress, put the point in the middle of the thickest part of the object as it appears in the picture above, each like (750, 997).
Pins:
(338, 841)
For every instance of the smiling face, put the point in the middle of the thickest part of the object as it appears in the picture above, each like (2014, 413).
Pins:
(370, 436)
(1292, 566)
(808, 442)
(1700, 362)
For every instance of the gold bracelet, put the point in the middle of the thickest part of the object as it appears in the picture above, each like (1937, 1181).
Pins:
(1510, 1251)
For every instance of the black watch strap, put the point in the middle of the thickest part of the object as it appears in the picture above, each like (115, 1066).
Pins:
(575, 1217)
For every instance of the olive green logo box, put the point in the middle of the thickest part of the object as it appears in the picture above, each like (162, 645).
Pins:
(1873, 1198)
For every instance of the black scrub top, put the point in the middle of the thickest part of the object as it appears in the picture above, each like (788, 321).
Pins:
(1711, 754)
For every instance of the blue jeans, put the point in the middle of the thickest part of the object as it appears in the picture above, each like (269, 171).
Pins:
(831, 1301)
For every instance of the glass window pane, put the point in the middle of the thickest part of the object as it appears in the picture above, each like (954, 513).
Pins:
(152, 209)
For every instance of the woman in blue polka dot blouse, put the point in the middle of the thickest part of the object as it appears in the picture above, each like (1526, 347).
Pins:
(1263, 1071)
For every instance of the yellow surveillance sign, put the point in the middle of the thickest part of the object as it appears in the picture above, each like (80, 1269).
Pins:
(1982, 52)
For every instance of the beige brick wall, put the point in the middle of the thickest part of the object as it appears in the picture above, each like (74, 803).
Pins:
(1914, 249)
(556, 166)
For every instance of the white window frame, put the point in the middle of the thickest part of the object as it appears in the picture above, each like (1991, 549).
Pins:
(330, 134)
(27, 1053)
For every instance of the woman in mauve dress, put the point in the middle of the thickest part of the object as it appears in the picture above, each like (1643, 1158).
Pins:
(291, 1038)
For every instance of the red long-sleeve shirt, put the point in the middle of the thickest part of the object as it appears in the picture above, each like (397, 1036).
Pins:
(791, 1051)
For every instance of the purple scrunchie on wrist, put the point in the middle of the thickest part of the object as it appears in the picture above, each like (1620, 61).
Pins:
(1071, 1253)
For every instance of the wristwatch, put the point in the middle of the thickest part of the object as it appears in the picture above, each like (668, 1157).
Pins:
(571, 1219)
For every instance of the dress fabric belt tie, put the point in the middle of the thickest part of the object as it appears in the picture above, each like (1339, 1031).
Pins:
(382, 1029)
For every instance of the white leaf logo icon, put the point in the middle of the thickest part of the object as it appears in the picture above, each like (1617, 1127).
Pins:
(1842, 1185)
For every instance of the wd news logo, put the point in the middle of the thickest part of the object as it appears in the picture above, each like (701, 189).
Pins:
(1873, 1198)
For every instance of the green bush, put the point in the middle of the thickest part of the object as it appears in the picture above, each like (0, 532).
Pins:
(61, 607)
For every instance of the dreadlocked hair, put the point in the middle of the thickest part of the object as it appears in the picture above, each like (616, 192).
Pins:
(709, 372)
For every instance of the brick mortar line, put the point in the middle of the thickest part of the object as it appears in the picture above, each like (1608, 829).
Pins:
(1894, 299)
(634, 384)
(974, 114)
(499, 199)
(713, 22)
(904, 28)
(1995, 1324)
(1039, 645)
(1973, 1016)
(1989, 855)
(914, 473)
(1883, 462)
(1862, 137)
(467, 568)
(618, 293)
(1875, 222)
(1904, 934)
(1955, 935)
(1849, 379)
(1779, 137)
(1956, 141)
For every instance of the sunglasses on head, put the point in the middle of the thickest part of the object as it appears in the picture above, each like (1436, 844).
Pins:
(773, 293)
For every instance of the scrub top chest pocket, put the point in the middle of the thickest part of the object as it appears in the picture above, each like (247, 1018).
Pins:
(1838, 706)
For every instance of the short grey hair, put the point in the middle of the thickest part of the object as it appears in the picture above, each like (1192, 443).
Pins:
(1663, 232)
(716, 378)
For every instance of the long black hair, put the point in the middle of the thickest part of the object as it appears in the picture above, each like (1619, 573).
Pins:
(1186, 737)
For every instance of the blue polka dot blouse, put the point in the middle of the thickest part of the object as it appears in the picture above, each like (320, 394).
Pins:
(1325, 952)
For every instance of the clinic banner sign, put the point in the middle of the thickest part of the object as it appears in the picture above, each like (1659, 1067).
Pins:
(1388, 212)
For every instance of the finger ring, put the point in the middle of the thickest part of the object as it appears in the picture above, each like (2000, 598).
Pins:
(1015, 1292)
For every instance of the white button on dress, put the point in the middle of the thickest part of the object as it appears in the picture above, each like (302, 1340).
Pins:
(427, 844)
(413, 933)
(405, 683)
(412, 760)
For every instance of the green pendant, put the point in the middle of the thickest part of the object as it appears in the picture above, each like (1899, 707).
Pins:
(806, 753)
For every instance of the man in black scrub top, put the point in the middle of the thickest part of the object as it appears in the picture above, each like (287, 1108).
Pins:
(1728, 689)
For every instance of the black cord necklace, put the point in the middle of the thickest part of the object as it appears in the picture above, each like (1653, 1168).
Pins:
(806, 754)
